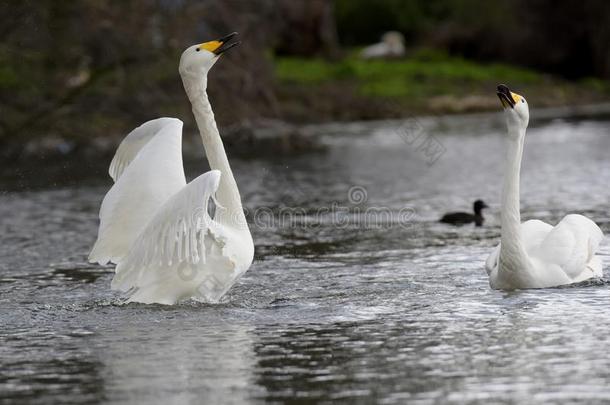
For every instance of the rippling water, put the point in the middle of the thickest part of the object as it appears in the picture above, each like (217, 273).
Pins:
(334, 308)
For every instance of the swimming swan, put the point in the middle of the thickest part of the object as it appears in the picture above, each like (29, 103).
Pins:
(154, 225)
(534, 254)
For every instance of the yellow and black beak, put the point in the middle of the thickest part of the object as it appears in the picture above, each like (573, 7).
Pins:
(221, 45)
(505, 96)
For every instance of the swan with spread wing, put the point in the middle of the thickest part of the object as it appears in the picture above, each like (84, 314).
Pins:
(155, 226)
(535, 254)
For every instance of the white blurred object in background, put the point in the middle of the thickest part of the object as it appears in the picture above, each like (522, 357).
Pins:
(392, 45)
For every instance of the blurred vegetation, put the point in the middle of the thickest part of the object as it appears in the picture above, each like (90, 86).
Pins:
(425, 73)
(428, 81)
(567, 38)
(93, 69)
(89, 68)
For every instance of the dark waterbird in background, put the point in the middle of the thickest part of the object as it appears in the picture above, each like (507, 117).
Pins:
(462, 218)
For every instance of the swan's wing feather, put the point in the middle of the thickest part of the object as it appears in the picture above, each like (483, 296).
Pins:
(145, 184)
(135, 141)
(182, 235)
(533, 232)
(492, 260)
(571, 244)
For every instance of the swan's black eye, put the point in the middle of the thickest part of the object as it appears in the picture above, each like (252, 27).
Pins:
(197, 49)
(523, 100)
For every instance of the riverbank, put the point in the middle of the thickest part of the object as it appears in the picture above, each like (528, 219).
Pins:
(426, 82)
(66, 162)
(263, 138)
(315, 91)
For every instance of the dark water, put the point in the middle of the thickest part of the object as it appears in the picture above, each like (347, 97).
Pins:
(341, 304)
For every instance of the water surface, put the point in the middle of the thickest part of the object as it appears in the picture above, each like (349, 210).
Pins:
(334, 307)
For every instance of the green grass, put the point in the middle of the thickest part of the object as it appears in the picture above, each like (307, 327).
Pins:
(426, 81)
(425, 73)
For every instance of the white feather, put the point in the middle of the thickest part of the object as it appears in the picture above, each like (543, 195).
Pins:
(558, 255)
(148, 174)
(171, 257)
(135, 141)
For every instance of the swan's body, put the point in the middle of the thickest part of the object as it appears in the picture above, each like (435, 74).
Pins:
(155, 226)
(392, 45)
(535, 254)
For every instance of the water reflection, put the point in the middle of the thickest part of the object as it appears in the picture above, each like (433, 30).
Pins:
(189, 362)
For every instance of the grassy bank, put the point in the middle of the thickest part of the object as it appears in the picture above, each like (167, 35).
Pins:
(96, 114)
(425, 82)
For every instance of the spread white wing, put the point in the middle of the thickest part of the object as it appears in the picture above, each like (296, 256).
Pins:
(135, 141)
(181, 252)
(147, 169)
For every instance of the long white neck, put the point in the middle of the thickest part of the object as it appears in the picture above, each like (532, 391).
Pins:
(228, 194)
(512, 250)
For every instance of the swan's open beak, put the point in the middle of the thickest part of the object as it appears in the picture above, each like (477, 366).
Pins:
(221, 45)
(505, 96)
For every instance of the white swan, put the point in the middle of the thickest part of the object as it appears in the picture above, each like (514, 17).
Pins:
(535, 254)
(154, 225)
(392, 45)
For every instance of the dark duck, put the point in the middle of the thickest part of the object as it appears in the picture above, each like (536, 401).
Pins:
(463, 218)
